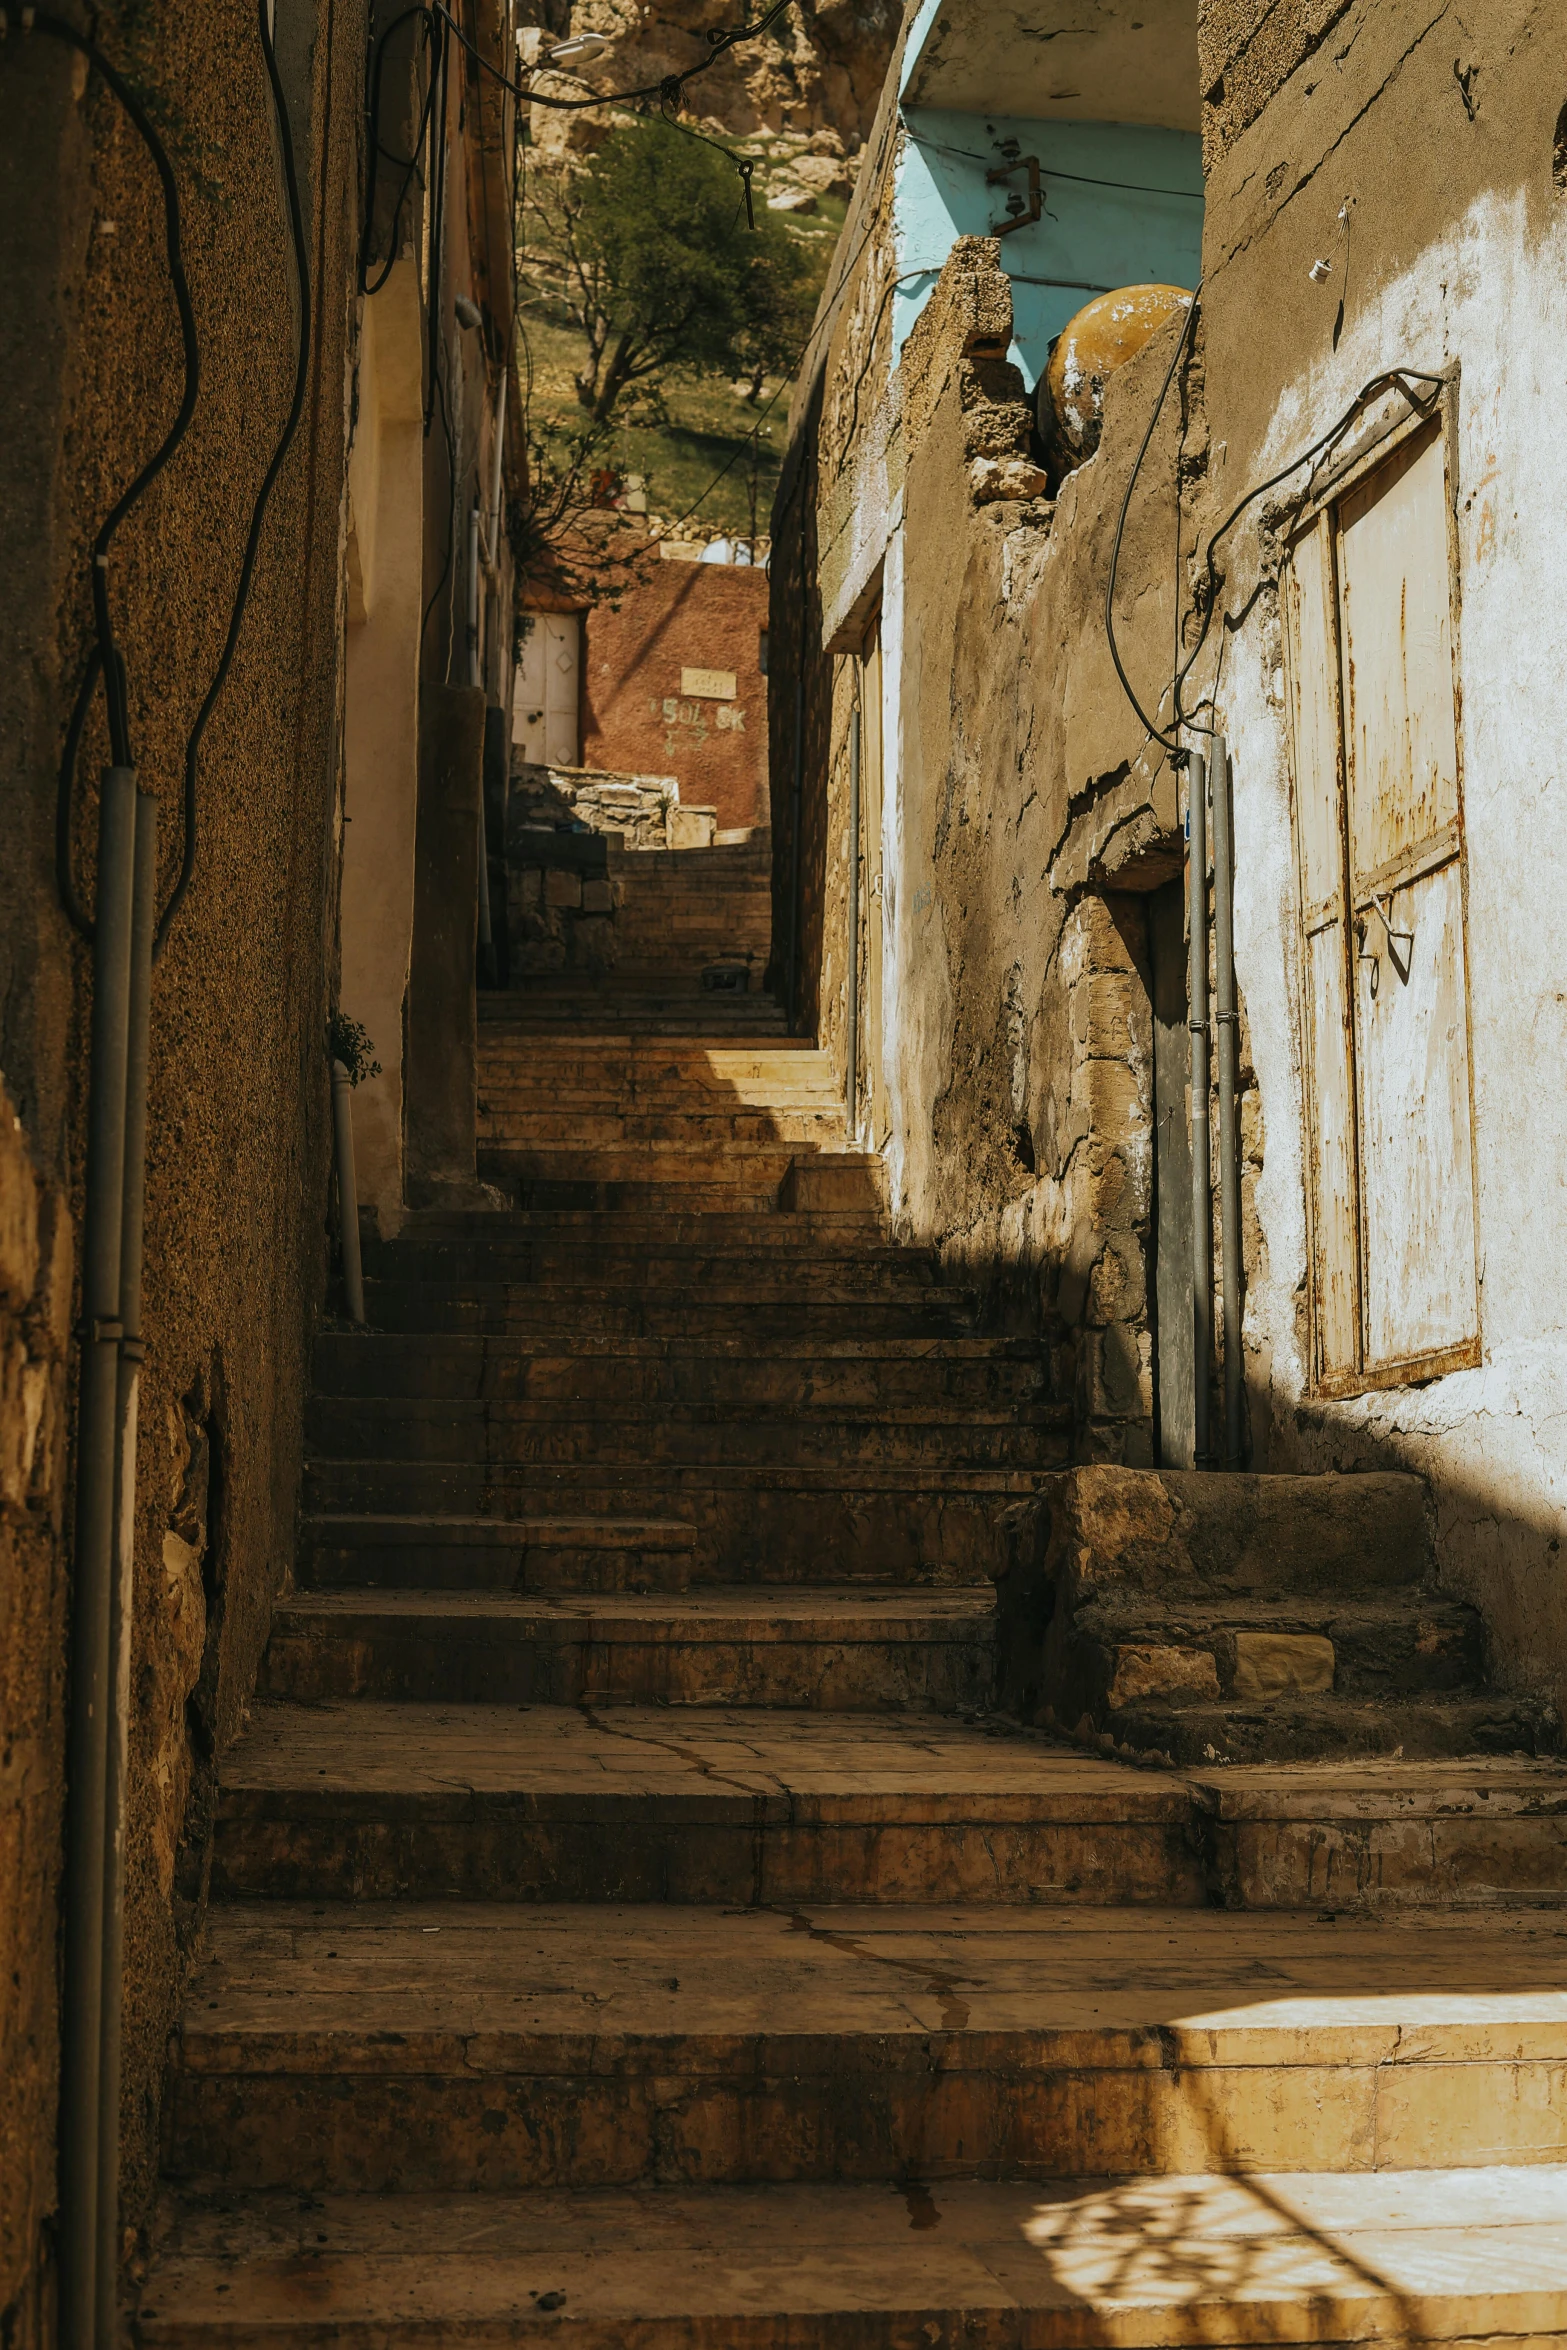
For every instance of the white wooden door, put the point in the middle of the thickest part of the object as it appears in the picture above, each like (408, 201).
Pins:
(1379, 851)
(1406, 901)
(544, 703)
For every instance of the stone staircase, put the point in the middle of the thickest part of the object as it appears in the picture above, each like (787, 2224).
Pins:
(691, 910)
(631, 1917)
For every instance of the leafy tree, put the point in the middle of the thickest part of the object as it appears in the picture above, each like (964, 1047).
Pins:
(781, 288)
(661, 269)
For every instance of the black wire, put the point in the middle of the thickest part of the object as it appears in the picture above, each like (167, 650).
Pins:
(442, 80)
(104, 661)
(668, 92)
(409, 164)
(718, 43)
(1052, 171)
(263, 495)
(1393, 379)
(451, 510)
(1155, 733)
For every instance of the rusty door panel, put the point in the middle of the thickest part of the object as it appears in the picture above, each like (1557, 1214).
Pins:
(1313, 684)
(873, 899)
(1312, 653)
(1397, 640)
(1414, 1124)
(1379, 840)
(1333, 1157)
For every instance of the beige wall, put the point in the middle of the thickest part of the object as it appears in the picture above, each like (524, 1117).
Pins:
(381, 746)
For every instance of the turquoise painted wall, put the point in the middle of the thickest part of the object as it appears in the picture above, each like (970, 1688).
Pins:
(1123, 207)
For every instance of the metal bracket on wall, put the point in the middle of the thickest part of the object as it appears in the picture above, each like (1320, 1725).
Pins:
(1021, 211)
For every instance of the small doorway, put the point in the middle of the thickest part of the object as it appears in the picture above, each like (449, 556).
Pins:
(868, 1118)
(544, 711)
(1174, 1398)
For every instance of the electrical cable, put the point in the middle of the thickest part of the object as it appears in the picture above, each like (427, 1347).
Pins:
(1392, 379)
(1154, 732)
(1052, 171)
(263, 495)
(668, 92)
(670, 87)
(451, 511)
(441, 84)
(105, 661)
(407, 164)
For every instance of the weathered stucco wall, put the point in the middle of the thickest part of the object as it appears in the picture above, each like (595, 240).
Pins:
(639, 717)
(1025, 817)
(236, 1181)
(1458, 261)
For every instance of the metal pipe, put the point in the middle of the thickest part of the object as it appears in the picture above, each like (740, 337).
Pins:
(854, 922)
(144, 923)
(486, 934)
(87, 1752)
(794, 831)
(493, 549)
(1225, 1045)
(1202, 1172)
(347, 1190)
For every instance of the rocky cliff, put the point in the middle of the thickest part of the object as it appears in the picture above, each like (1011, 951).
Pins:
(819, 71)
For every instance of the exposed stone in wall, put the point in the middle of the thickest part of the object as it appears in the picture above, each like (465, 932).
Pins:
(239, 1105)
(1030, 815)
(35, 1304)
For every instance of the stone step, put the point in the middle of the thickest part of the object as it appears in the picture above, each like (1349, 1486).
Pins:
(839, 1651)
(703, 1075)
(755, 1183)
(1253, 1651)
(429, 2047)
(476, 1553)
(709, 1138)
(375, 1801)
(919, 1524)
(694, 1234)
(1025, 1434)
(696, 1014)
(1248, 1618)
(710, 1069)
(725, 1312)
(586, 1370)
(1433, 2256)
(782, 1061)
(547, 1087)
(766, 1265)
(1300, 1729)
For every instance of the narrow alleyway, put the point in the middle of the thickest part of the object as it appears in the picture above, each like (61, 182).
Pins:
(627, 1913)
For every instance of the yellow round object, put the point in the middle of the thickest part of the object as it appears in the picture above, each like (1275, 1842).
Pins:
(1102, 337)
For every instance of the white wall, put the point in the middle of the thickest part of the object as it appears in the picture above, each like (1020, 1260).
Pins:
(1492, 296)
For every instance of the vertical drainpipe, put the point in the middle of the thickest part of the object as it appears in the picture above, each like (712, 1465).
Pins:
(1202, 1172)
(1225, 1043)
(486, 936)
(347, 1191)
(854, 924)
(144, 922)
(794, 830)
(81, 2033)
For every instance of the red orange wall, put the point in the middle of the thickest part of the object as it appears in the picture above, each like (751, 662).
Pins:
(638, 719)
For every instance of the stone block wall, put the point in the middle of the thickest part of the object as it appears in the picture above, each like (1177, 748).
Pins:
(239, 1123)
